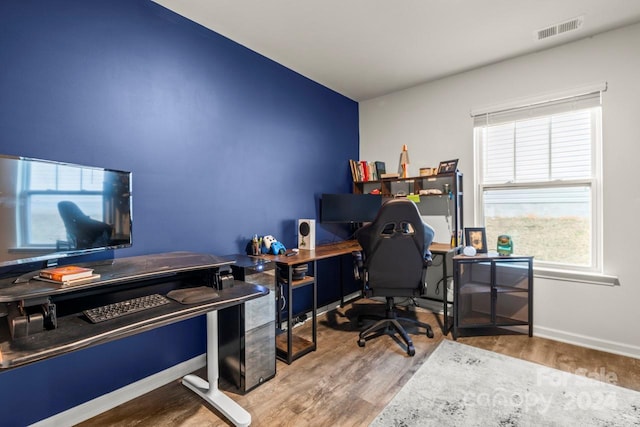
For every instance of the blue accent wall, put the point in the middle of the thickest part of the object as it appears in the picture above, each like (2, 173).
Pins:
(223, 143)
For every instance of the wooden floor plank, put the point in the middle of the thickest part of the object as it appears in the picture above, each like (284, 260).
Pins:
(343, 384)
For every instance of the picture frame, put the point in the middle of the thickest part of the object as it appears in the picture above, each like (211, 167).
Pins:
(448, 166)
(476, 237)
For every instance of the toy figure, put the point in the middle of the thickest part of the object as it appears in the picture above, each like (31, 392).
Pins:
(271, 246)
(505, 245)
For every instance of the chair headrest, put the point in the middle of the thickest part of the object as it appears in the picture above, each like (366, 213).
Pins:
(398, 212)
(396, 218)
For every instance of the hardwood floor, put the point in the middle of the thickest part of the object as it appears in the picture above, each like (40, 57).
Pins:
(342, 384)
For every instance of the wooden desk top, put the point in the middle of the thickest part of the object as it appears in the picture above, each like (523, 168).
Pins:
(344, 247)
(320, 252)
(441, 248)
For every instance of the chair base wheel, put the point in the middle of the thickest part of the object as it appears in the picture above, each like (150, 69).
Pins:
(390, 324)
(411, 351)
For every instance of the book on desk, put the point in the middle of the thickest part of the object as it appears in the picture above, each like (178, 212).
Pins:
(65, 273)
(71, 282)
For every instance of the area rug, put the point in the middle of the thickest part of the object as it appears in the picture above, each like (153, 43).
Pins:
(460, 385)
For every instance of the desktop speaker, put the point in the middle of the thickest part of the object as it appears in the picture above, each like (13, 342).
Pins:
(306, 234)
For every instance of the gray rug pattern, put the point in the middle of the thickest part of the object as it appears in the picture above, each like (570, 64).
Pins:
(460, 385)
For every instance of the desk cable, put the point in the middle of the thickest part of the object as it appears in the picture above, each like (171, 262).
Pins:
(433, 264)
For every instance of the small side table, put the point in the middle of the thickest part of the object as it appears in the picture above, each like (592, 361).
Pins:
(492, 292)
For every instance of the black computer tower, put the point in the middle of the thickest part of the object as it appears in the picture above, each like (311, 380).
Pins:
(246, 332)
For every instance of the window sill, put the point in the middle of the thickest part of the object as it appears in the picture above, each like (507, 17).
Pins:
(576, 276)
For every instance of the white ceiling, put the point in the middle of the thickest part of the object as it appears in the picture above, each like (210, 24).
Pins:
(367, 48)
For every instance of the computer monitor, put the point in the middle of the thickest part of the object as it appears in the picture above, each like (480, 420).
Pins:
(349, 208)
(53, 210)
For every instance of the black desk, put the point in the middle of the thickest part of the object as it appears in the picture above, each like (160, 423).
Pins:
(290, 347)
(124, 279)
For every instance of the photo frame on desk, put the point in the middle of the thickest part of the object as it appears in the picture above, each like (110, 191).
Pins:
(476, 237)
(448, 166)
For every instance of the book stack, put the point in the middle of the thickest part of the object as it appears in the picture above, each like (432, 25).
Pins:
(362, 171)
(68, 275)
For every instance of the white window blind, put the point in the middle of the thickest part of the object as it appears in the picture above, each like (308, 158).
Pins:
(538, 178)
(537, 109)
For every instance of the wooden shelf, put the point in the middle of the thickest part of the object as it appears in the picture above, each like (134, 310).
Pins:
(447, 203)
(298, 343)
(306, 280)
(299, 347)
(415, 183)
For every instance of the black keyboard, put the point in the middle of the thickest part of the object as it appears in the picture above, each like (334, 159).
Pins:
(122, 308)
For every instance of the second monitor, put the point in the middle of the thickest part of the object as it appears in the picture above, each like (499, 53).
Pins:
(349, 208)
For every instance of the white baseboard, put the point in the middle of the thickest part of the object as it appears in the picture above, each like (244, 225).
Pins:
(110, 400)
(432, 305)
(323, 309)
(588, 342)
(562, 336)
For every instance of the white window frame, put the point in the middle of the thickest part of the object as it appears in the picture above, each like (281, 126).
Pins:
(594, 272)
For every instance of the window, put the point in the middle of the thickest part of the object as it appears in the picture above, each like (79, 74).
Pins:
(539, 178)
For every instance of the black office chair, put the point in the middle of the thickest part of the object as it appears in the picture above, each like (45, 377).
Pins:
(82, 231)
(395, 258)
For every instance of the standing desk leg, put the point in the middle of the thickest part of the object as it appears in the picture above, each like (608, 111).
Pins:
(290, 317)
(208, 390)
(341, 282)
(445, 294)
(314, 316)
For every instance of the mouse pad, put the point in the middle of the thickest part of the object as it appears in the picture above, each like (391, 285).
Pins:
(193, 295)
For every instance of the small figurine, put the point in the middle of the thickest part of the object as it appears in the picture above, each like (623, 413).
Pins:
(404, 162)
(505, 245)
(255, 245)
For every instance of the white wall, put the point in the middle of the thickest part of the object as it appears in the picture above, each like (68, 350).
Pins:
(434, 121)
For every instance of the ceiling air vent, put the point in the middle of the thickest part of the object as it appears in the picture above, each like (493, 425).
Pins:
(561, 28)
